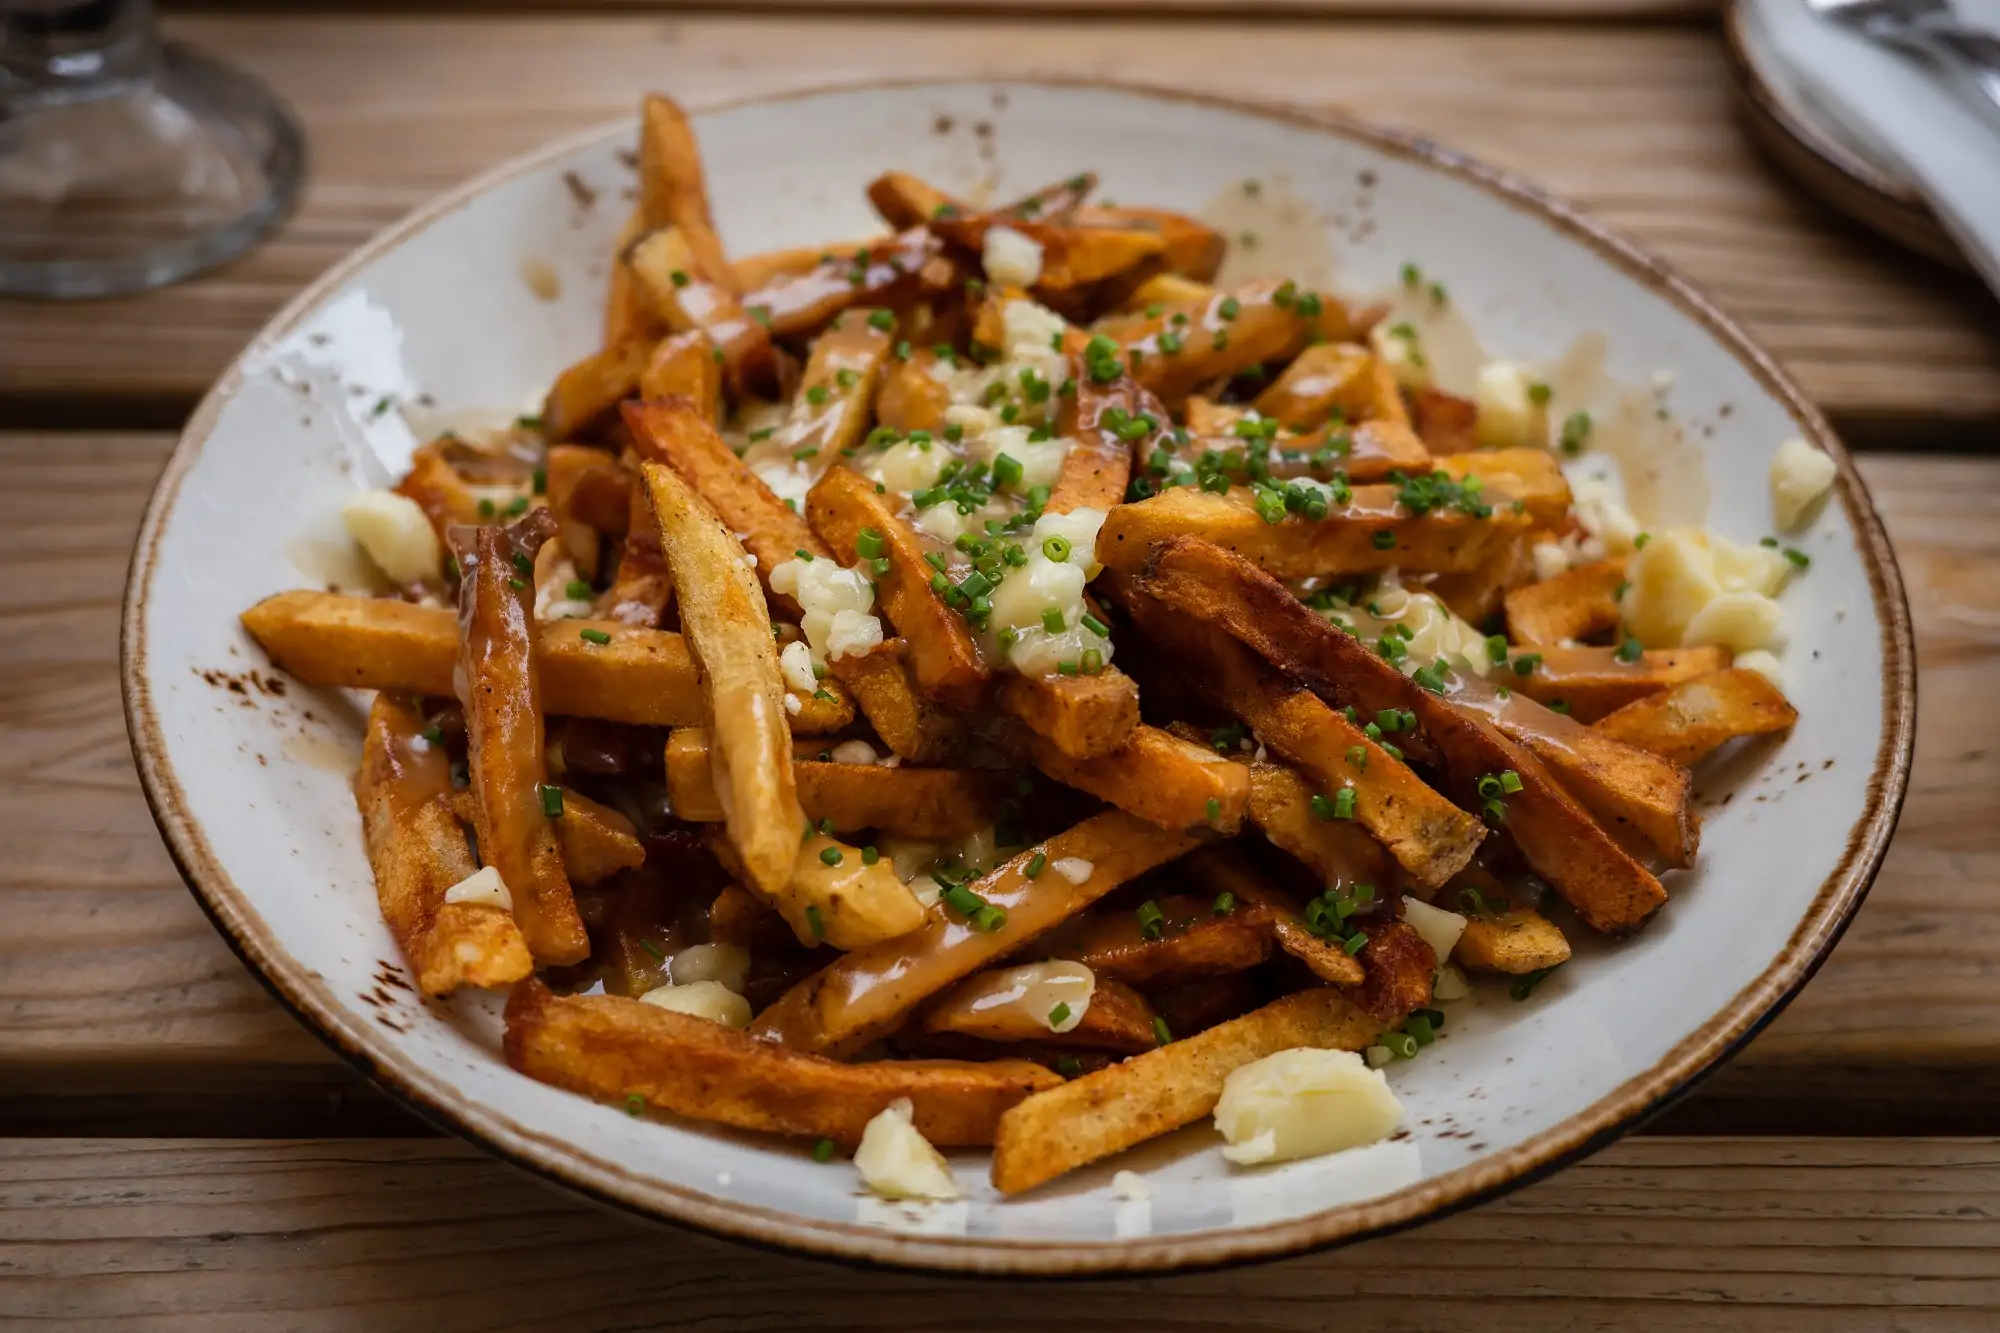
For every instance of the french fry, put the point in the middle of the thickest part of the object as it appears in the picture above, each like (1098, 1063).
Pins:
(866, 994)
(596, 841)
(836, 896)
(1074, 258)
(830, 412)
(1445, 422)
(1117, 1018)
(905, 801)
(1083, 717)
(1225, 870)
(641, 588)
(617, 1049)
(439, 491)
(905, 201)
(728, 631)
(683, 365)
(1593, 682)
(673, 191)
(1230, 333)
(589, 391)
(1098, 465)
(1688, 721)
(418, 851)
(1124, 1104)
(1171, 289)
(628, 317)
(1513, 942)
(1475, 595)
(921, 730)
(574, 471)
(1325, 377)
(667, 270)
(753, 271)
(1158, 777)
(499, 687)
(1339, 851)
(1579, 602)
(1193, 249)
(1397, 966)
(1370, 532)
(894, 272)
(1611, 891)
(1429, 836)
(942, 654)
(911, 397)
(1531, 477)
(644, 677)
(1188, 939)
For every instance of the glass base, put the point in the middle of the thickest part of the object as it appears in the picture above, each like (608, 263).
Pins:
(145, 183)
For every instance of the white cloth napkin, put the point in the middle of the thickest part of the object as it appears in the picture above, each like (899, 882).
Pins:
(1905, 112)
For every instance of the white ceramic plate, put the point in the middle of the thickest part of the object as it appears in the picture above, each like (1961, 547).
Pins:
(249, 778)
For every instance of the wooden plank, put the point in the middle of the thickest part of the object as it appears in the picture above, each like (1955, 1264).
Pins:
(1634, 122)
(1718, 1235)
(112, 981)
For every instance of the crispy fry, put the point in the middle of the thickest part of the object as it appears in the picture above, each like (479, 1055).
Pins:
(673, 192)
(439, 491)
(668, 272)
(1172, 289)
(1592, 682)
(1319, 380)
(1686, 722)
(728, 632)
(590, 390)
(1083, 717)
(1610, 890)
(684, 366)
(1117, 1018)
(1098, 465)
(1231, 332)
(616, 1049)
(753, 271)
(904, 201)
(574, 472)
(942, 654)
(1125, 1104)
(1193, 249)
(641, 587)
(1575, 604)
(1187, 940)
(1338, 851)
(1225, 870)
(921, 730)
(1429, 836)
(1398, 966)
(837, 896)
(1531, 476)
(893, 272)
(908, 802)
(1350, 539)
(418, 851)
(628, 317)
(830, 413)
(911, 397)
(1513, 942)
(596, 841)
(1475, 595)
(866, 994)
(1445, 422)
(499, 687)
(1157, 777)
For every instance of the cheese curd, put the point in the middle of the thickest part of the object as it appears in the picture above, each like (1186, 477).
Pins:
(1396, 344)
(1509, 415)
(1303, 1103)
(725, 964)
(837, 605)
(1433, 631)
(787, 480)
(1052, 996)
(1764, 663)
(1597, 502)
(1440, 929)
(702, 999)
(795, 663)
(483, 886)
(1026, 597)
(911, 465)
(896, 1162)
(1678, 574)
(1800, 478)
(854, 752)
(1011, 258)
(1075, 869)
(395, 533)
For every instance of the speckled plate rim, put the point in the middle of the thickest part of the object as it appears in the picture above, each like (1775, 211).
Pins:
(564, 1164)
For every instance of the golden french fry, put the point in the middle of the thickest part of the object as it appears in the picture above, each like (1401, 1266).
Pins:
(617, 1050)
(728, 631)
(1611, 891)
(1083, 717)
(1187, 939)
(905, 801)
(1098, 466)
(584, 395)
(418, 851)
(894, 272)
(628, 317)
(1397, 966)
(1531, 477)
(1589, 683)
(577, 476)
(921, 730)
(1445, 422)
(1226, 870)
(1141, 1098)
(1575, 604)
(1514, 942)
(667, 271)
(596, 841)
(683, 365)
(866, 994)
(1339, 851)
(1116, 1019)
(911, 397)
(1179, 351)
(499, 687)
(1158, 777)
(439, 491)
(904, 201)
(753, 271)
(673, 191)
(1686, 722)
(1193, 252)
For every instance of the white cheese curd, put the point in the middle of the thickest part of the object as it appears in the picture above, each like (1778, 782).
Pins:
(793, 706)
(837, 605)
(1551, 559)
(1440, 929)
(1451, 984)
(395, 533)
(1598, 503)
(1041, 460)
(972, 421)
(553, 575)
(854, 752)
(1508, 415)
(1011, 258)
(943, 522)
(725, 964)
(1053, 996)
(1434, 631)
(787, 480)
(482, 886)
(896, 1162)
(795, 663)
(909, 466)
(1800, 478)
(1401, 354)
(1764, 663)
(1130, 1186)
(1303, 1103)
(702, 999)
(1041, 585)
(1681, 572)
(1075, 869)
(1742, 622)
(1079, 528)
(1032, 330)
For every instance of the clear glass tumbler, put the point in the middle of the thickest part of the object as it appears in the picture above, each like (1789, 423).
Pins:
(125, 162)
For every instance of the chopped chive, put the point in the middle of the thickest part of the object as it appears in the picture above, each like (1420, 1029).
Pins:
(1401, 1044)
(1525, 664)
(1056, 548)
(1096, 626)
(1322, 807)
(823, 1150)
(1524, 985)
(634, 1104)
(1355, 943)
(1496, 648)
(1630, 651)
(1161, 1032)
(1510, 781)
(814, 923)
(831, 856)
(988, 918)
(1069, 1066)
(1343, 803)
(1357, 757)
(652, 949)
(596, 636)
(1058, 1015)
(1799, 559)
(1384, 540)
(1036, 864)
(1214, 810)
(552, 800)
(1052, 619)
(881, 320)
(1152, 921)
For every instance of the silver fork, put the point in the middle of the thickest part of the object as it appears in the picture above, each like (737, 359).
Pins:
(1932, 30)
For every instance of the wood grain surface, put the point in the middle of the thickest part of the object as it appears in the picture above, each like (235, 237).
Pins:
(1694, 1235)
(120, 1007)
(1632, 120)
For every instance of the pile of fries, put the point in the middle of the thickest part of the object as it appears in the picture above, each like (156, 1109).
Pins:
(781, 688)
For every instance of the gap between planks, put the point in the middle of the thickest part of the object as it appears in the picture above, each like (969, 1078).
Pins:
(1633, 121)
(1715, 1235)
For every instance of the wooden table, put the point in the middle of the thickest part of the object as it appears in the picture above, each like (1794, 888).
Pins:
(175, 1152)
